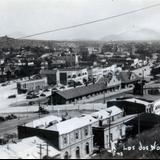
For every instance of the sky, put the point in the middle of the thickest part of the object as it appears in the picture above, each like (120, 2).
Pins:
(20, 18)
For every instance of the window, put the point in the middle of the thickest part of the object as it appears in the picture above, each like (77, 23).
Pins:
(76, 135)
(66, 155)
(86, 131)
(65, 140)
(111, 137)
(78, 153)
(121, 132)
(74, 76)
(87, 148)
(24, 86)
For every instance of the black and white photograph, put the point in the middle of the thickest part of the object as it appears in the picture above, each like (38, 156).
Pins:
(80, 79)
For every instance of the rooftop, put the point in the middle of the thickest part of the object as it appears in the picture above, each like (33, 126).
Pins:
(72, 124)
(26, 149)
(120, 120)
(72, 69)
(106, 113)
(44, 122)
(134, 100)
(126, 77)
(81, 91)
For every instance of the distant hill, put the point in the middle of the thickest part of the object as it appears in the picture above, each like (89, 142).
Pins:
(137, 35)
(17, 43)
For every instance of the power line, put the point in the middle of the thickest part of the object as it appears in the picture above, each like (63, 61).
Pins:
(91, 22)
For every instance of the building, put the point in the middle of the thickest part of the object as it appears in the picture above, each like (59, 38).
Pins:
(80, 93)
(108, 54)
(128, 78)
(152, 89)
(70, 59)
(73, 74)
(28, 148)
(51, 76)
(32, 85)
(111, 127)
(98, 72)
(65, 76)
(73, 138)
(131, 105)
(143, 72)
(77, 138)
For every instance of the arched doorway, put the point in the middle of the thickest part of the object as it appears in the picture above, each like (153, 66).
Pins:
(87, 148)
(66, 155)
(78, 153)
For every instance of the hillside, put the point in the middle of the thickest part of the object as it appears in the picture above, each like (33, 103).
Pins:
(7, 42)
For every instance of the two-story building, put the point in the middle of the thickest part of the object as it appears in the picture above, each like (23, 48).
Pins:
(65, 76)
(73, 138)
(73, 74)
(111, 127)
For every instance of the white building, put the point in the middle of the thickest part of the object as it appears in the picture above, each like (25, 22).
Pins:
(75, 137)
(76, 75)
(31, 85)
(143, 71)
(98, 72)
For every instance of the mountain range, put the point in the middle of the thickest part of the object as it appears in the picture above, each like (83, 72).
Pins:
(136, 35)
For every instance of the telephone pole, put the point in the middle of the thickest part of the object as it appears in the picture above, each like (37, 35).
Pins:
(41, 148)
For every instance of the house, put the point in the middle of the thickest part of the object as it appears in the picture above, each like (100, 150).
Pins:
(73, 137)
(128, 78)
(32, 84)
(28, 148)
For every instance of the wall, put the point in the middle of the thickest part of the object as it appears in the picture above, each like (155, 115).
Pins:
(129, 107)
(52, 137)
(82, 145)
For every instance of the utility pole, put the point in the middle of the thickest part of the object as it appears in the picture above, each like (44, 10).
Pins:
(109, 132)
(40, 150)
(110, 112)
(47, 150)
(139, 126)
(104, 92)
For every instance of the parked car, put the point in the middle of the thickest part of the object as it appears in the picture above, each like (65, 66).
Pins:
(2, 119)
(46, 90)
(42, 95)
(43, 111)
(12, 96)
(11, 117)
(32, 96)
